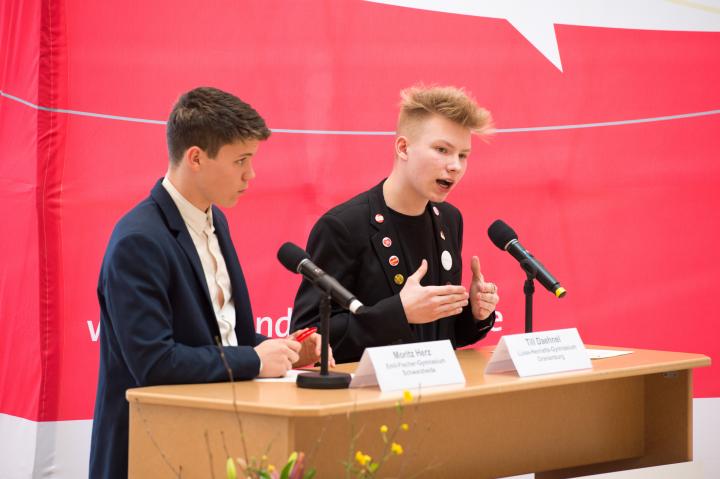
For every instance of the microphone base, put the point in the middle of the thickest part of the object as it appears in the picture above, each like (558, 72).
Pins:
(320, 381)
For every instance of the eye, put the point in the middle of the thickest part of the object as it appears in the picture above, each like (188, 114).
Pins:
(241, 161)
(441, 149)
(463, 156)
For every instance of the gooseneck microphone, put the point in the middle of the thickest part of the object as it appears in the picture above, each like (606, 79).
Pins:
(297, 260)
(505, 238)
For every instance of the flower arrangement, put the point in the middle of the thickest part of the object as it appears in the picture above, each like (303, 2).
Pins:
(358, 465)
(363, 466)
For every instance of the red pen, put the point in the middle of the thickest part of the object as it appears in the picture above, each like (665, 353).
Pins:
(306, 334)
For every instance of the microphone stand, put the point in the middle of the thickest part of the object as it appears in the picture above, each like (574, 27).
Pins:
(324, 379)
(529, 289)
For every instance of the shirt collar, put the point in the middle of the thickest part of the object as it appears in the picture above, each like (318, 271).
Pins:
(194, 217)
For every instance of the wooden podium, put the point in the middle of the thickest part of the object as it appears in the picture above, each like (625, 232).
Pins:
(628, 411)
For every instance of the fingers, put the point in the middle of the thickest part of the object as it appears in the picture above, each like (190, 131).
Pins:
(277, 356)
(483, 304)
(452, 299)
(445, 290)
(489, 288)
(297, 333)
(331, 358)
(420, 273)
(293, 351)
(318, 344)
(475, 267)
(450, 309)
(292, 344)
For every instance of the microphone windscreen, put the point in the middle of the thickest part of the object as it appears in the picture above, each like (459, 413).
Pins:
(290, 256)
(501, 234)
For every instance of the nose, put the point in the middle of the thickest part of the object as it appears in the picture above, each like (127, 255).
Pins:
(454, 163)
(250, 172)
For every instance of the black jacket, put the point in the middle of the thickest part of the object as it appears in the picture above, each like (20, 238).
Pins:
(347, 242)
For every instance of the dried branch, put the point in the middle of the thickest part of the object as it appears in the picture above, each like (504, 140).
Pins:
(234, 400)
(138, 409)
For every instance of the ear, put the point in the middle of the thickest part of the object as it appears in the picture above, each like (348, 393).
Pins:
(401, 147)
(193, 157)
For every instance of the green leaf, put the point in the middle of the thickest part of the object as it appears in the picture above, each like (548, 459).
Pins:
(310, 474)
(373, 467)
(285, 474)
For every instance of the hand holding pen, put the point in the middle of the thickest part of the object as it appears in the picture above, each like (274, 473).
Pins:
(310, 343)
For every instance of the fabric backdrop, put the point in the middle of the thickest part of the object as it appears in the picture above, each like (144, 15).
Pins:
(605, 162)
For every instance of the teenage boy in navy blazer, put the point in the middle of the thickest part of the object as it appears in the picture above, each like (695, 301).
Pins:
(398, 246)
(171, 285)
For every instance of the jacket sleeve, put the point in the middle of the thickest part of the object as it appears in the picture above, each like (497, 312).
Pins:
(338, 253)
(134, 289)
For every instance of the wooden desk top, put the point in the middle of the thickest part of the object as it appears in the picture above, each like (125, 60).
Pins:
(286, 399)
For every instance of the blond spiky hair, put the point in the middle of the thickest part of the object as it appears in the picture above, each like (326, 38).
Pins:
(420, 101)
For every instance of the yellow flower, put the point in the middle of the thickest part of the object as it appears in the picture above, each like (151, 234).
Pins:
(362, 459)
(383, 429)
(270, 468)
(396, 448)
(404, 426)
(263, 458)
(407, 396)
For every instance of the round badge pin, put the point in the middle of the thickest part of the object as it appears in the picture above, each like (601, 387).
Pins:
(387, 242)
(394, 260)
(446, 260)
(379, 218)
(436, 211)
(399, 279)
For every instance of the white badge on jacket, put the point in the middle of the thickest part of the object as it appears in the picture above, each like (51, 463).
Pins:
(446, 260)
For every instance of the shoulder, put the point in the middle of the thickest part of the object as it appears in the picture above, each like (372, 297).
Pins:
(346, 224)
(353, 209)
(145, 217)
(448, 212)
(350, 216)
(141, 231)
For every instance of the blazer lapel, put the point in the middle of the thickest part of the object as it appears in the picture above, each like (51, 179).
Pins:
(448, 262)
(448, 258)
(177, 225)
(386, 242)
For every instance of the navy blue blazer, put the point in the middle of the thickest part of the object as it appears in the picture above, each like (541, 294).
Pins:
(157, 321)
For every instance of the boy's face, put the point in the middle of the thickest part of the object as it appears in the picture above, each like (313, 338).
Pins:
(436, 155)
(221, 180)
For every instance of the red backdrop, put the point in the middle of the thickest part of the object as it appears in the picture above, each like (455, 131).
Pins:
(625, 215)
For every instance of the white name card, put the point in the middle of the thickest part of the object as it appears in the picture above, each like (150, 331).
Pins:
(408, 366)
(544, 352)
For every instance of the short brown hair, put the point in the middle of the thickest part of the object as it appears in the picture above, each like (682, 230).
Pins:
(419, 102)
(209, 119)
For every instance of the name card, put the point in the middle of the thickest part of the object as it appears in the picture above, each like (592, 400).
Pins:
(408, 366)
(546, 352)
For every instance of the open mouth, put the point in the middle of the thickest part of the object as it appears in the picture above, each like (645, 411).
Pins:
(445, 184)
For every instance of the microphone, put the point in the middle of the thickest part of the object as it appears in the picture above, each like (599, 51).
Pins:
(297, 260)
(505, 238)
